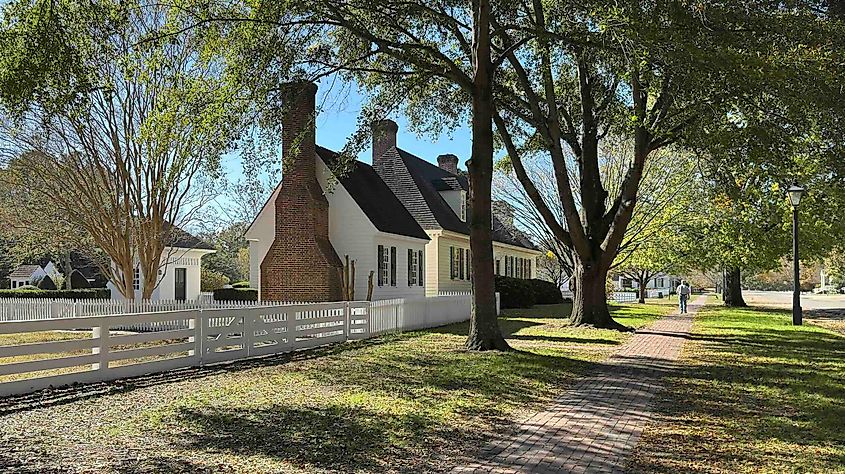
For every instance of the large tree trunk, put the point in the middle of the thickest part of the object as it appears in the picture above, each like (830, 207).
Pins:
(733, 289)
(484, 332)
(641, 290)
(589, 307)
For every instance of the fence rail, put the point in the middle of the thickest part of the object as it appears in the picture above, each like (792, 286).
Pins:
(190, 337)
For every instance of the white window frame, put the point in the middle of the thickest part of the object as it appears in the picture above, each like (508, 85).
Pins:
(413, 268)
(463, 209)
(384, 266)
(136, 279)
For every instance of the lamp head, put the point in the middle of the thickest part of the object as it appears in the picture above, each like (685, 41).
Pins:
(795, 192)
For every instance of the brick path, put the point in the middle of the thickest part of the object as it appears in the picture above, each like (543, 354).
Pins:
(595, 424)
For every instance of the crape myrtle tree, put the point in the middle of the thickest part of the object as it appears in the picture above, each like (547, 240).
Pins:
(651, 71)
(124, 128)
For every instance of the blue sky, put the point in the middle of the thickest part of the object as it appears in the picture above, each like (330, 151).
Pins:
(339, 108)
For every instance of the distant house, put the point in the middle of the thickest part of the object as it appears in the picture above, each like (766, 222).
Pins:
(403, 219)
(25, 275)
(661, 283)
(180, 272)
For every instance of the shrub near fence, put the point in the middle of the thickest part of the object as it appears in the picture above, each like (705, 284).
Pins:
(236, 294)
(515, 293)
(87, 293)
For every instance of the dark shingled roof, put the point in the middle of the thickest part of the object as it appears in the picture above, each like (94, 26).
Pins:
(427, 205)
(374, 198)
(24, 271)
(183, 240)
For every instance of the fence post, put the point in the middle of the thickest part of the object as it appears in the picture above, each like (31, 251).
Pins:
(348, 314)
(498, 304)
(101, 347)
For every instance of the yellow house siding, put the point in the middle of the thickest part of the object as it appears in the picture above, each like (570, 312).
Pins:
(437, 261)
(446, 283)
(431, 264)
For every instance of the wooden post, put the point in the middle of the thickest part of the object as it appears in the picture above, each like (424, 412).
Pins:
(370, 286)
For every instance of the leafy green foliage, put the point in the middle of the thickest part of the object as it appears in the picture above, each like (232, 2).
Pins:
(515, 292)
(212, 280)
(33, 292)
(546, 292)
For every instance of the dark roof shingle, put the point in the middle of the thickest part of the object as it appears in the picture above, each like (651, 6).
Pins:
(372, 195)
(429, 180)
(24, 271)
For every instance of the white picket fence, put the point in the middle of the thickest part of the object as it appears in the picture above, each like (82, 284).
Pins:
(19, 309)
(623, 297)
(200, 336)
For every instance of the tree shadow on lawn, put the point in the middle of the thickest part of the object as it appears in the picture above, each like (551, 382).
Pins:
(334, 438)
(393, 409)
(756, 396)
(57, 396)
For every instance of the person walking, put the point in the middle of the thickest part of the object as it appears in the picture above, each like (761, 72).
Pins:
(683, 296)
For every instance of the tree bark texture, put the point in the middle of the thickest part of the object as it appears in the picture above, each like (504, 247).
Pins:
(589, 307)
(484, 332)
(733, 289)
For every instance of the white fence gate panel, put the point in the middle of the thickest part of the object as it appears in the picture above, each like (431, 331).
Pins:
(198, 336)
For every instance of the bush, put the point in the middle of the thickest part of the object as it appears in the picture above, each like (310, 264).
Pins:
(211, 280)
(546, 292)
(515, 293)
(46, 283)
(240, 284)
(32, 292)
(236, 294)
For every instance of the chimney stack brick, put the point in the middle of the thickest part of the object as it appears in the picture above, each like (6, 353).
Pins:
(448, 162)
(384, 138)
(301, 264)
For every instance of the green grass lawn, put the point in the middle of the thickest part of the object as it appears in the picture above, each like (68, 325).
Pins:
(756, 395)
(407, 402)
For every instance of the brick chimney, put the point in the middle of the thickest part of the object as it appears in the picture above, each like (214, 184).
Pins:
(384, 138)
(301, 264)
(448, 163)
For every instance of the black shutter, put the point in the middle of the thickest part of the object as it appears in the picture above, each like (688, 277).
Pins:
(380, 265)
(461, 263)
(469, 265)
(420, 268)
(410, 267)
(452, 263)
(392, 266)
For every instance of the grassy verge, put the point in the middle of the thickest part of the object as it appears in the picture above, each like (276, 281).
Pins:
(411, 402)
(757, 395)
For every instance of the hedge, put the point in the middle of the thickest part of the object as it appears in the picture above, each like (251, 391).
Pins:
(83, 294)
(240, 284)
(546, 292)
(515, 292)
(236, 294)
(519, 293)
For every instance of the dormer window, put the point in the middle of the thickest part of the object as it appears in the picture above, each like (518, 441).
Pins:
(463, 214)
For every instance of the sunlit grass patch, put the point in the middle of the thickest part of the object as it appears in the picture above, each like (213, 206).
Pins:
(757, 395)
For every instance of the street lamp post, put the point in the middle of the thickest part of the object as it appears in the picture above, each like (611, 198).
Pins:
(795, 192)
